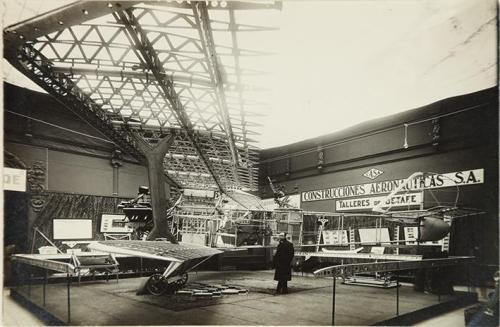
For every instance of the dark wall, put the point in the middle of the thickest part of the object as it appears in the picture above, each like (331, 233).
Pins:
(75, 156)
(68, 163)
(80, 173)
(15, 213)
(465, 137)
(73, 206)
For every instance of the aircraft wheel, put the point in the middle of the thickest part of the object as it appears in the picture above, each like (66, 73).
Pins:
(183, 280)
(156, 285)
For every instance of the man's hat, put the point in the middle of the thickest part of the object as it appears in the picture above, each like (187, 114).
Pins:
(282, 234)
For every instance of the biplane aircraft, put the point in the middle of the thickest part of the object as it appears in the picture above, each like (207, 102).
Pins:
(433, 220)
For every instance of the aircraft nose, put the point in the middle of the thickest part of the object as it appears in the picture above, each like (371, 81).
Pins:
(432, 229)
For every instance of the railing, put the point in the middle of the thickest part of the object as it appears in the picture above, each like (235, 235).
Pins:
(31, 274)
(388, 266)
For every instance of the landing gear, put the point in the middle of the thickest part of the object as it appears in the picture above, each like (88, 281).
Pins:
(158, 285)
(182, 280)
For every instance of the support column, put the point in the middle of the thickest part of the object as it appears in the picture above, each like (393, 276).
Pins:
(396, 238)
(45, 279)
(30, 280)
(397, 293)
(116, 163)
(68, 286)
(154, 160)
(333, 299)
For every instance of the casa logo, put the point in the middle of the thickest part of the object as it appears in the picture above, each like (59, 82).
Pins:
(373, 173)
(323, 221)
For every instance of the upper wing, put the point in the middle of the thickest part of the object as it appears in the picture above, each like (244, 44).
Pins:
(411, 216)
(364, 256)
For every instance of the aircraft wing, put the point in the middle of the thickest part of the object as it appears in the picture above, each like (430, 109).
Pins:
(365, 256)
(411, 216)
(342, 251)
(160, 250)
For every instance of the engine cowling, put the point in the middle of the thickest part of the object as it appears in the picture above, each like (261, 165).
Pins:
(432, 229)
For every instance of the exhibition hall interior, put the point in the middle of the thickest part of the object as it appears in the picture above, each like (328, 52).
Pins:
(250, 163)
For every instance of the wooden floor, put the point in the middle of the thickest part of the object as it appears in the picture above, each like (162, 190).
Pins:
(309, 303)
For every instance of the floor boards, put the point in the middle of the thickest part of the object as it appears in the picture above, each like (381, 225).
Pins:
(309, 303)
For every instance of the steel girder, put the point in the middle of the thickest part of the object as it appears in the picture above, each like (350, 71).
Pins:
(205, 30)
(183, 163)
(188, 81)
(59, 19)
(63, 89)
(153, 63)
(35, 65)
(232, 5)
(244, 130)
(100, 58)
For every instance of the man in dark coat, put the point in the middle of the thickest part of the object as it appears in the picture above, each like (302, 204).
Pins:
(282, 262)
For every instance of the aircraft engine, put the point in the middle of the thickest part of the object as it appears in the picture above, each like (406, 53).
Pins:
(432, 229)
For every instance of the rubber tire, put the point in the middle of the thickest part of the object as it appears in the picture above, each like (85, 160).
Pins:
(155, 285)
(181, 282)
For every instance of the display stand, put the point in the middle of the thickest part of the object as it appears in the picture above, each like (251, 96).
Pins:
(388, 266)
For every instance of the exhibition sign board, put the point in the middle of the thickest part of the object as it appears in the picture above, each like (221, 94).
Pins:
(374, 235)
(403, 200)
(459, 178)
(335, 237)
(72, 229)
(112, 223)
(14, 179)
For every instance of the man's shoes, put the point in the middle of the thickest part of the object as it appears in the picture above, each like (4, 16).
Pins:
(276, 292)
